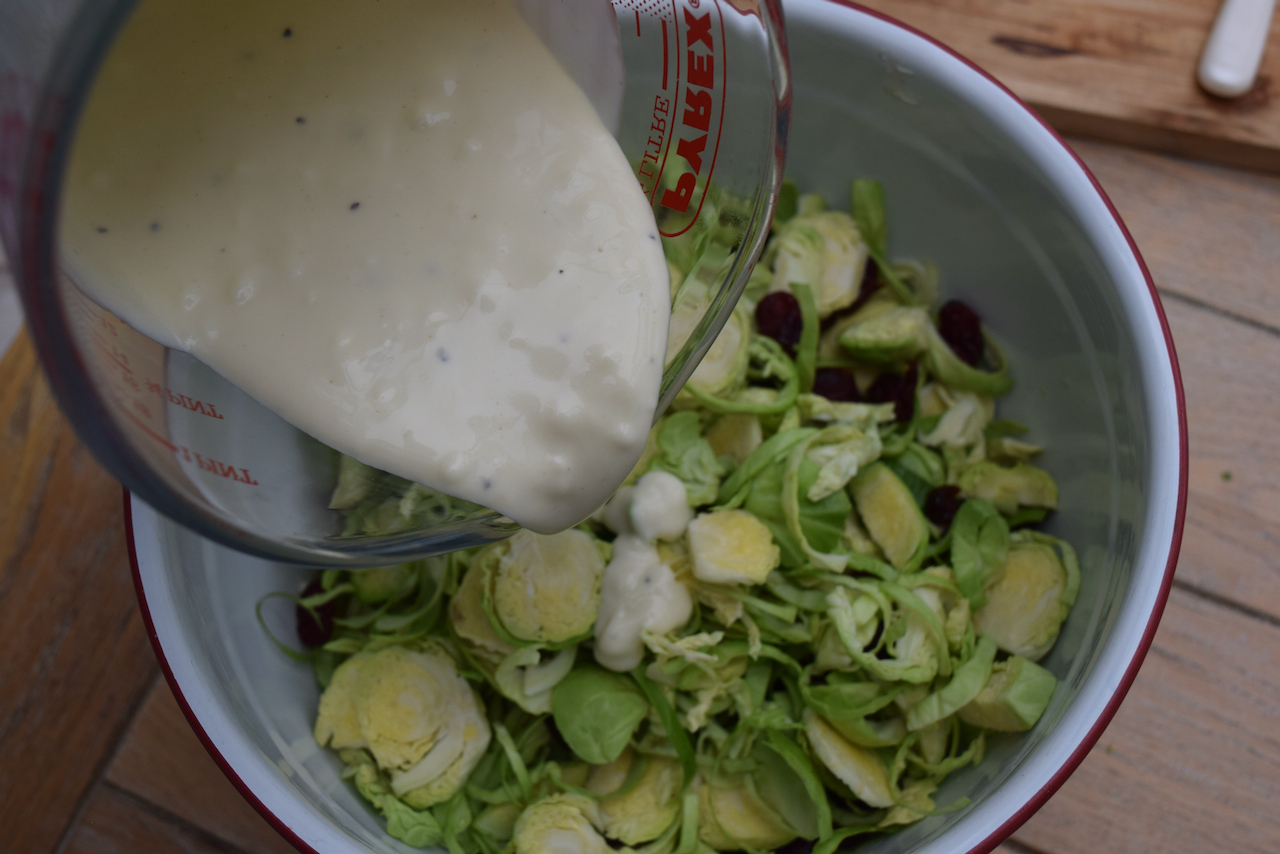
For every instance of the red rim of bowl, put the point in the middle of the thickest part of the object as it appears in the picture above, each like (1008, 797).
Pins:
(1086, 744)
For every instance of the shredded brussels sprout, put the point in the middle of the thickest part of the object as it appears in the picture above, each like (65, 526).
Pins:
(797, 619)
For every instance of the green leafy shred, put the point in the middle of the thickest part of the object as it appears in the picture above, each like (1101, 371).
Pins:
(814, 659)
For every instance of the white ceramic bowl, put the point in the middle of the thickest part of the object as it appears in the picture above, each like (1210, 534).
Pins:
(1019, 228)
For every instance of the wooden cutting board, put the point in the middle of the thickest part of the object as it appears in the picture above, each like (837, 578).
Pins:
(1120, 70)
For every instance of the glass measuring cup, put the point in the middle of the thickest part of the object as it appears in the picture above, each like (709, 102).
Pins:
(703, 120)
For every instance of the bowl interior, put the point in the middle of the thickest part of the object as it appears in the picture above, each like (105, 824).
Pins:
(974, 183)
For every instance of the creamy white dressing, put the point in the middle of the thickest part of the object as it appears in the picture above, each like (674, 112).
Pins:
(660, 507)
(398, 224)
(638, 593)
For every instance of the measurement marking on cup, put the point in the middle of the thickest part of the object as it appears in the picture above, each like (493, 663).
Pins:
(661, 111)
(133, 404)
(239, 474)
(197, 406)
(209, 464)
(126, 374)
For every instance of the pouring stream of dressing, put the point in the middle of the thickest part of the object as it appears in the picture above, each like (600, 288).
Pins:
(398, 224)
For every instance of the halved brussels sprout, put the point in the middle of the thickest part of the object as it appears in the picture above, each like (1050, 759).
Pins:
(845, 707)
(472, 624)
(914, 804)
(907, 333)
(810, 203)
(961, 425)
(719, 665)
(639, 594)
(931, 400)
(383, 583)
(417, 828)
(421, 721)
(979, 547)
(825, 251)
(644, 811)
(785, 779)
(966, 682)
(543, 588)
(1021, 484)
(919, 645)
(596, 711)
(933, 741)
(1031, 597)
(856, 538)
(731, 818)
(1014, 698)
(735, 435)
(732, 547)
(528, 674)
(724, 369)
(829, 346)
(890, 514)
(1003, 447)
(498, 821)
(686, 313)
(860, 769)
(864, 416)
(899, 334)
(924, 467)
(908, 636)
(559, 824)
(840, 451)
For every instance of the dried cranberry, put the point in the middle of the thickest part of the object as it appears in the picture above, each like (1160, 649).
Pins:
(836, 384)
(898, 389)
(942, 504)
(870, 284)
(778, 316)
(960, 327)
(311, 632)
(796, 846)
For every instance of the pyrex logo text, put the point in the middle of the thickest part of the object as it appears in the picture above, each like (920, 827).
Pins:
(699, 104)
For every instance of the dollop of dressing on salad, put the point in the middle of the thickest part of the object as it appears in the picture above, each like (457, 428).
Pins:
(400, 225)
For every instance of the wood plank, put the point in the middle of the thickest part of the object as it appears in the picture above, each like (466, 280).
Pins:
(161, 761)
(76, 658)
(1121, 70)
(30, 422)
(1207, 232)
(115, 823)
(1233, 402)
(1191, 762)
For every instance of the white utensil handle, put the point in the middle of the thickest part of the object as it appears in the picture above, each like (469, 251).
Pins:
(1234, 49)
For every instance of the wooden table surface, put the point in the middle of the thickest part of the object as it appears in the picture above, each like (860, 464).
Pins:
(95, 756)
